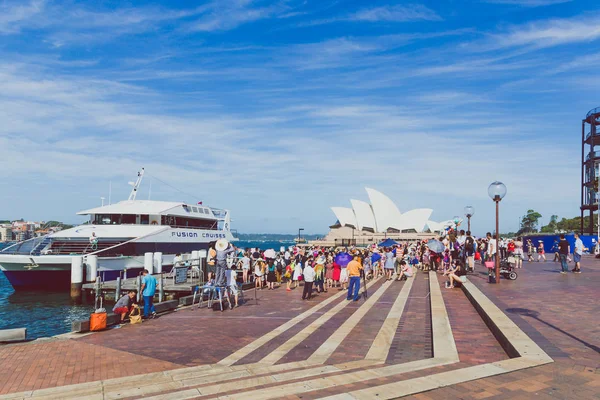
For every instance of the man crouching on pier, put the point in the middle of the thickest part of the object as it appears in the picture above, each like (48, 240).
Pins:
(123, 305)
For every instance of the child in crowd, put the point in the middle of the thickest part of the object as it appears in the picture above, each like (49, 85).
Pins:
(446, 261)
(344, 278)
(258, 273)
(289, 270)
(297, 267)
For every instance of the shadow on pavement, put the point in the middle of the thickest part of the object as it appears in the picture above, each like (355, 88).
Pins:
(535, 315)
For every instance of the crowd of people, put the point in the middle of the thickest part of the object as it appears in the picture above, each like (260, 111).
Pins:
(321, 269)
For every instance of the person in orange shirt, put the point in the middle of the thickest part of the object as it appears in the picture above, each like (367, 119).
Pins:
(353, 268)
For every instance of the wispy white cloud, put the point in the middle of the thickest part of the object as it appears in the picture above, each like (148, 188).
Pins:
(397, 13)
(90, 130)
(528, 3)
(226, 15)
(548, 33)
(318, 115)
(15, 14)
(81, 24)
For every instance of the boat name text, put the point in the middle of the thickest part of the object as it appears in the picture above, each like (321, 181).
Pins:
(195, 234)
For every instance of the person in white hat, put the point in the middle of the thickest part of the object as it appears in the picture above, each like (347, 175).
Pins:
(223, 248)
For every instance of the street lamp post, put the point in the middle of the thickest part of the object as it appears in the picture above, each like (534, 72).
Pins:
(469, 211)
(497, 191)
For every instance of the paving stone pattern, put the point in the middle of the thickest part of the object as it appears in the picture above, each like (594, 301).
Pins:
(559, 312)
(566, 328)
(474, 341)
(65, 362)
(308, 346)
(357, 344)
(413, 340)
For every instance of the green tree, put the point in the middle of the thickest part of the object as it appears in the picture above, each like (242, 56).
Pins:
(529, 222)
(552, 226)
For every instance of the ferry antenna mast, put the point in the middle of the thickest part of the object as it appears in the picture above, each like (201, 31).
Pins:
(136, 185)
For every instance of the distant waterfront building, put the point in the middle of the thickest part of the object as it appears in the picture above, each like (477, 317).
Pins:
(6, 233)
(368, 222)
(24, 230)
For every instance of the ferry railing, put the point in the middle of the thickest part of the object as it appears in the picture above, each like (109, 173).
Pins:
(30, 245)
(129, 241)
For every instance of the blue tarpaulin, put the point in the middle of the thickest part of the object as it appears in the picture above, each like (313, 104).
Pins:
(550, 240)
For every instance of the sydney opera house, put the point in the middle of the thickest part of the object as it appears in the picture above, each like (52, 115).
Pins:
(364, 223)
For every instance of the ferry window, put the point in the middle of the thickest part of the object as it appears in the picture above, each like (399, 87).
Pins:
(128, 219)
(195, 209)
(144, 219)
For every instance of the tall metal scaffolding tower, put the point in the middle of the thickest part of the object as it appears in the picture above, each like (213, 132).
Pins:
(590, 166)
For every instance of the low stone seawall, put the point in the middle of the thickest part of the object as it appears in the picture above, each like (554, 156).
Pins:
(113, 319)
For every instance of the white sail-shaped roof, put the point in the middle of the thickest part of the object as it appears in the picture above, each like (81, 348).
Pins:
(415, 219)
(385, 211)
(345, 216)
(364, 215)
(434, 226)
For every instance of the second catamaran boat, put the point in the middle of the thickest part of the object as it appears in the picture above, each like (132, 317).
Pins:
(119, 234)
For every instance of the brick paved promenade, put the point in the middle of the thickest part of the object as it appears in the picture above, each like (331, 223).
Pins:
(406, 339)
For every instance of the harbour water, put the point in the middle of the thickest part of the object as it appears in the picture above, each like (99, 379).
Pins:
(47, 314)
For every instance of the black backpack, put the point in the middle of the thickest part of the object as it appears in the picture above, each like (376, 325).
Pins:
(469, 244)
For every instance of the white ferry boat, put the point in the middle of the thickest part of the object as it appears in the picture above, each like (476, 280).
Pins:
(125, 231)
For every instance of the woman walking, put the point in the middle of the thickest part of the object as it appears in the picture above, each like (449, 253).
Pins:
(519, 253)
(258, 273)
(541, 252)
(271, 275)
(288, 277)
(337, 274)
(389, 264)
(529, 250)
(329, 272)
(245, 267)
(297, 267)
(343, 278)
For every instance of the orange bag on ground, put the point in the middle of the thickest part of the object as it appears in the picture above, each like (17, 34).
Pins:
(97, 321)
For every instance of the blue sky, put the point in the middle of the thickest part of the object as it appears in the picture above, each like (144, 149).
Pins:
(279, 110)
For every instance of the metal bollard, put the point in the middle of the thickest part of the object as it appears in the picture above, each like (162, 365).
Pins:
(161, 291)
(76, 277)
(97, 287)
(138, 285)
(118, 289)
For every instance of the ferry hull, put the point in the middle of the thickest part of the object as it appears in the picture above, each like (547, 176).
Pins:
(48, 280)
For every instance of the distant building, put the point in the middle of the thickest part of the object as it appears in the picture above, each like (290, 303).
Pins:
(365, 223)
(6, 233)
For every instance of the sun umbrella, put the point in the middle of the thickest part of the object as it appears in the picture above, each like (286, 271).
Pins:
(270, 253)
(436, 246)
(375, 257)
(343, 259)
